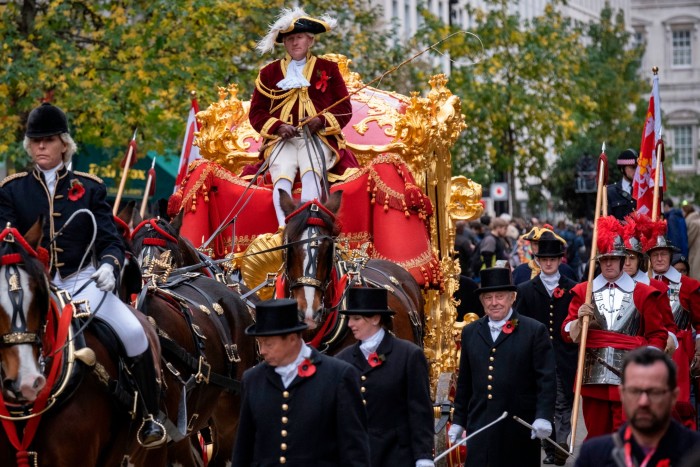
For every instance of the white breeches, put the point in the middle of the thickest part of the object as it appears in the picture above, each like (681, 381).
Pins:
(294, 155)
(112, 310)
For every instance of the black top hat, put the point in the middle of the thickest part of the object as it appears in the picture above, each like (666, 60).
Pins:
(550, 248)
(303, 24)
(494, 280)
(627, 157)
(367, 301)
(46, 120)
(276, 318)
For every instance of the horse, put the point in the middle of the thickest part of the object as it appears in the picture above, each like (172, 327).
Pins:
(207, 318)
(55, 411)
(317, 280)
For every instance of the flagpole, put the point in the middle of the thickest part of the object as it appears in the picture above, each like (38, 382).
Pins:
(127, 165)
(147, 192)
(602, 178)
(659, 161)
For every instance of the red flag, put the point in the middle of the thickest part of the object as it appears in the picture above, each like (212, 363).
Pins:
(643, 185)
(189, 151)
(130, 148)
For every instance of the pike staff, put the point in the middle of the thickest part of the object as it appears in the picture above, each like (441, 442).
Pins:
(602, 177)
(150, 185)
(127, 165)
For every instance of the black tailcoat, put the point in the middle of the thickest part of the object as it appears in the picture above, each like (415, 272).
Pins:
(674, 446)
(24, 197)
(620, 203)
(515, 374)
(534, 301)
(399, 408)
(318, 421)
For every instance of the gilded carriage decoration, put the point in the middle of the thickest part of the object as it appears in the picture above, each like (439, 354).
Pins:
(403, 146)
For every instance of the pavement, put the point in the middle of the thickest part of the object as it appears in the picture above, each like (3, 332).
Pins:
(580, 436)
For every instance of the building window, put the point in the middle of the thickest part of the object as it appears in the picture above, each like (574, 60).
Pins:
(681, 47)
(638, 39)
(683, 146)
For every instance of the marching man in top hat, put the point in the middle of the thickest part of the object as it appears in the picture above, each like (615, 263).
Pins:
(394, 380)
(546, 298)
(299, 408)
(623, 317)
(507, 364)
(290, 91)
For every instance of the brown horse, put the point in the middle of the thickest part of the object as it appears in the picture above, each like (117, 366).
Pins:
(206, 319)
(80, 423)
(316, 279)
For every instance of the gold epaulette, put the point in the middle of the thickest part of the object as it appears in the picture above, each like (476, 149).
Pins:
(90, 176)
(9, 178)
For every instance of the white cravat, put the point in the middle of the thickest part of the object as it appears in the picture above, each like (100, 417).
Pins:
(370, 345)
(295, 77)
(289, 372)
(626, 186)
(496, 326)
(550, 281)
(50, 177)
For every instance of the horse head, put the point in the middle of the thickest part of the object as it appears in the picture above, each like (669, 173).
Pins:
(24, 304)
(153, 237)
(310, 233)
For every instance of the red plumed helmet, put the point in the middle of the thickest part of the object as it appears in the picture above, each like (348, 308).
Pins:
(655, 237)
(634, 229)
(610, 241)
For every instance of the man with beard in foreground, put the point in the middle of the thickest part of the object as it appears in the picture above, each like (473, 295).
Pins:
(650, 437)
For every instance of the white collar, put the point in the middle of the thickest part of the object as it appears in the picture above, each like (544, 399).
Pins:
(371, 344)
(624, 282)
(503, 321)
(672, 275)
(50, 176)
(626, 185)
(642, 277)
(289, 372)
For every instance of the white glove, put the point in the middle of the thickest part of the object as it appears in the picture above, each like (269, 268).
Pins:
(104, 278)
(425, 463)
(455, 432)
(541, 429)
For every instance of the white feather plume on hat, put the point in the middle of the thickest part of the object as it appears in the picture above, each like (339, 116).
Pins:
(284, 21)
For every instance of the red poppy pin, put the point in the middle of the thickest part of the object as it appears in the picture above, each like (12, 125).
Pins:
(306, 368)
(322, 83)
(664, 463)
(76, 190)
(375, 360)
(558, 293)
(510, 325)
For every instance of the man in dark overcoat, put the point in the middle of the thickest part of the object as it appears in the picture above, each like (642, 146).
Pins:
(546, 298)
(507, 364)
(299, 408)
(394, 383)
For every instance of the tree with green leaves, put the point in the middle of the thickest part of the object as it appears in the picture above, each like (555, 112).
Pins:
(116, 65)
(518, 96)
(613, 111)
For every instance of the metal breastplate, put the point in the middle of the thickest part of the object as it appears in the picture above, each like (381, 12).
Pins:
(625, 319)
(681, 316)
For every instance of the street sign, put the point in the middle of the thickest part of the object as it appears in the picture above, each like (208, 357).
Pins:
(499, 191)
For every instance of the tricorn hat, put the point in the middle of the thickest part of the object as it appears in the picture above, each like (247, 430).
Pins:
(537, 234)
(550, 248)
(627, 157)
(293, 21)
(494, 280)
(46, 120)
(367, 301)
(276, 318)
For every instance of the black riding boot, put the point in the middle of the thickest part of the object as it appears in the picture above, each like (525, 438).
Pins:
(151, 433)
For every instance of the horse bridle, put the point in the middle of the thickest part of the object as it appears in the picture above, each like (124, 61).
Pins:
(152, 246)
(313, 244)
(18, 332)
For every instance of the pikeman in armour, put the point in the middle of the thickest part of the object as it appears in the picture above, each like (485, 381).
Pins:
(623, 317)
(684, 298)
